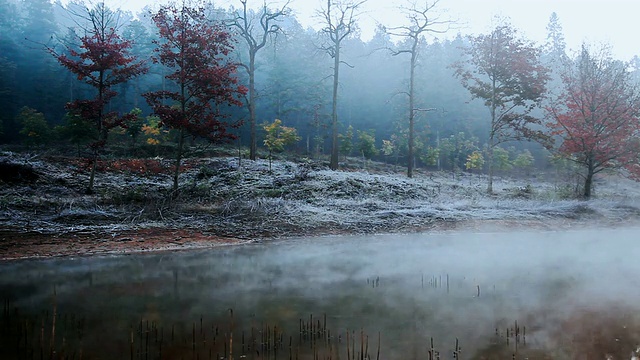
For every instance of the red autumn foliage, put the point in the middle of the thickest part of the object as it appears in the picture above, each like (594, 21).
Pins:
(596, 118)
(102, 62)
(143, 167)
(136, 166)
(204, 77)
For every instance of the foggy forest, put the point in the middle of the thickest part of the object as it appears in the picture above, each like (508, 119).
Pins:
(404, 94)
(196, 181)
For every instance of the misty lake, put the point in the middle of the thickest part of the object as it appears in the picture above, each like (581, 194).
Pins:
(334, 297)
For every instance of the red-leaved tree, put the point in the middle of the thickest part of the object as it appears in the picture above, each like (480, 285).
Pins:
(103, 61)
(204, 77)
(595, 120)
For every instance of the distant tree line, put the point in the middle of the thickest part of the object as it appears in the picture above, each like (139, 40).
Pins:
(194, 72)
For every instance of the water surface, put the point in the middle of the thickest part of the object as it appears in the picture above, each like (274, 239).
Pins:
(406, 289)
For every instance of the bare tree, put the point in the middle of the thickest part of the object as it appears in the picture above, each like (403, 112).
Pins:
(420, 23)
(256, 28)
(339, 19)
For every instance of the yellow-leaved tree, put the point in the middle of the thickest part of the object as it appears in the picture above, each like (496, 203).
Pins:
(277, 137)
(475, 160)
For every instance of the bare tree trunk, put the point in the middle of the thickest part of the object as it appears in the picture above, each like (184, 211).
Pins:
(183, 108)
(588, 181)
(421, 22)
(339, 25)
(490, 163)
(491, 136)
(587, 185)
(412, 110)
(176, 171)
(96, 148)
(244, 23)
(253, 148)
(334, 110)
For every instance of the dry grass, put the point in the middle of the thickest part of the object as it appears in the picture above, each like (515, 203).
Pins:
(248, 199)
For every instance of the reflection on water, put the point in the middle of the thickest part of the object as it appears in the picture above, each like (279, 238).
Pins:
(306, 298)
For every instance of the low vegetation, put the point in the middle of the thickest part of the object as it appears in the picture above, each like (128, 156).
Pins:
(227, 196)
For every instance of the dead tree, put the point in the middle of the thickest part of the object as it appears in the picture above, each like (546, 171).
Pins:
(255, 28)
(339, 18)
(420, 23)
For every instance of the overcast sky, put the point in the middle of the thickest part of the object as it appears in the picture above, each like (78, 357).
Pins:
(612, 21)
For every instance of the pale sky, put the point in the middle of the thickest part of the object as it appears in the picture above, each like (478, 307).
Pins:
(613, 21)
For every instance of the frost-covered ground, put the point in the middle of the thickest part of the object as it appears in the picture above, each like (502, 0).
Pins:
(360, 201)
(248, 200)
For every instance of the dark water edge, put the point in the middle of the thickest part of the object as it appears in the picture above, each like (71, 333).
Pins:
(537, 295)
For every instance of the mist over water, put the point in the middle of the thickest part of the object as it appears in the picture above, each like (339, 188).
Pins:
(408, 288)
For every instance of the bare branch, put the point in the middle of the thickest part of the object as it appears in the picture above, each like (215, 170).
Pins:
(243, 65)
(421, 21)
(398, 52)
(339, 20)
(245, 23)
(346, 63)
(424, 110)
(256, 29)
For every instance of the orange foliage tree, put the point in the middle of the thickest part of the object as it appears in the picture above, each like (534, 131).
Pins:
(595, 120)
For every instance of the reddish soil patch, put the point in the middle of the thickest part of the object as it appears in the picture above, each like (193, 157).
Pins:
(24, 245)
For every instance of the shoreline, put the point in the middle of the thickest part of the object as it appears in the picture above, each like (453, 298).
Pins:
(30, 245)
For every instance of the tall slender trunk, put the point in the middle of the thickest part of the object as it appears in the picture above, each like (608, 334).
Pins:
(101, 135)
(491, 136)
(438, 162)
(364, 160)
(412, 110)
(92, 176)
(183, 109)
(334, 110)
(253, 147)
(176, 171)
(490, 162)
